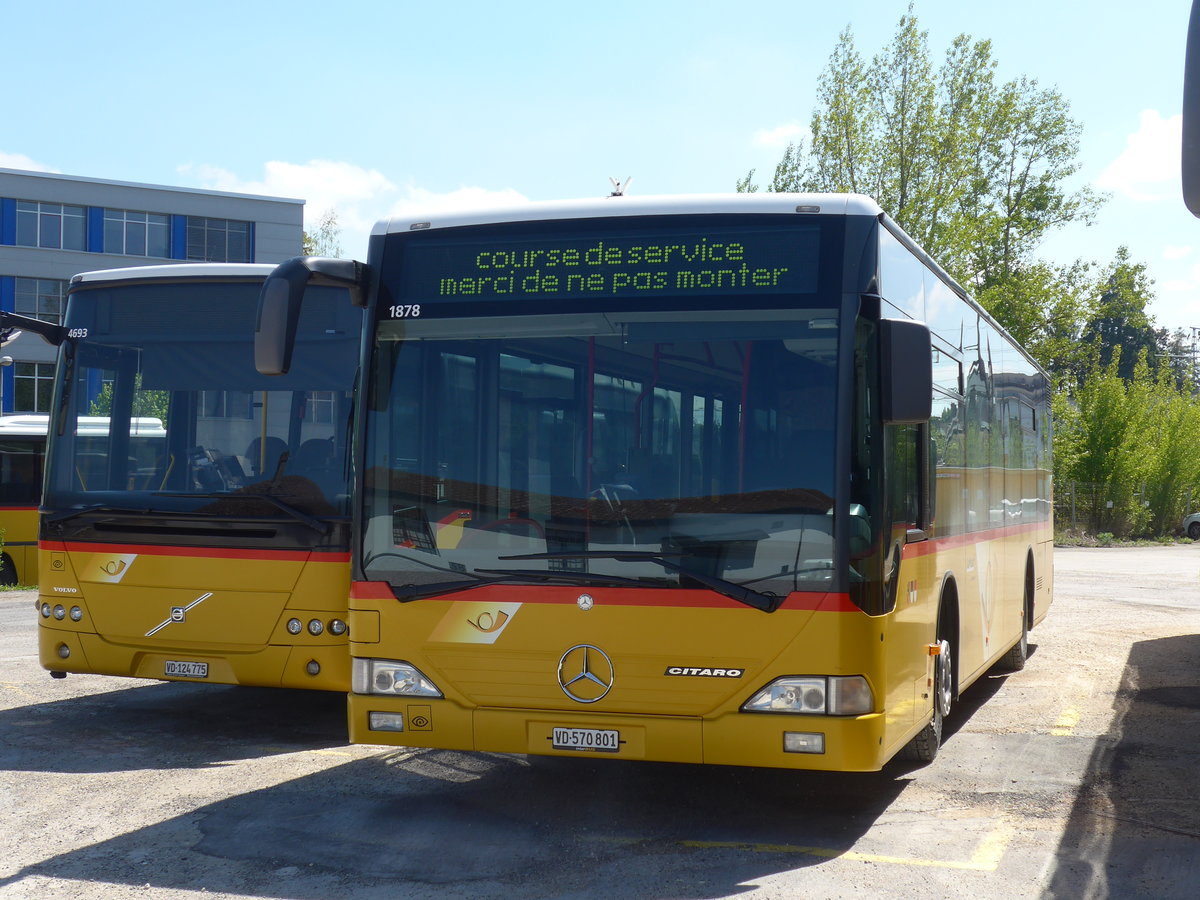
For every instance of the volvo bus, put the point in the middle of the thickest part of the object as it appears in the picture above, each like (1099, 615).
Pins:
(195, 519)
(744, 480)
(22, 451)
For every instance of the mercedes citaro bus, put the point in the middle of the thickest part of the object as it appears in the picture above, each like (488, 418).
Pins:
(744, 479)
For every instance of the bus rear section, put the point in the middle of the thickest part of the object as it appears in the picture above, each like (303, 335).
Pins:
(195, 522)
(22, 457)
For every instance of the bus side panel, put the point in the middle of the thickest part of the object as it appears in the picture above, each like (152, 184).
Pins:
(18, 538)
(904, 637)
(320, 595)
(1043, 576)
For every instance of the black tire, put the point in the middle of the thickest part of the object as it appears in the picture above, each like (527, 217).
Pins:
(1014, 659)
(1194, 531)
(923, 748)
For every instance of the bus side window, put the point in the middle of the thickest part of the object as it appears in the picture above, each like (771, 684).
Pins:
(903, 480)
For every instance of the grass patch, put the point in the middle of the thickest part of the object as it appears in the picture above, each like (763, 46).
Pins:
(1106, 539)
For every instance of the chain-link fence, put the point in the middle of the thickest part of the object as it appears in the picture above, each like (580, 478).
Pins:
(1081, 506)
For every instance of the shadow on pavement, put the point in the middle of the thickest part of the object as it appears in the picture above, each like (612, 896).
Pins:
(167, 725)
(434, 823)
(1134, 830)
(491, 825)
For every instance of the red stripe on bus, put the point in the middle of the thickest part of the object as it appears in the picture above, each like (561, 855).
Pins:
(935, 545)
(337, 556)
(660, 597)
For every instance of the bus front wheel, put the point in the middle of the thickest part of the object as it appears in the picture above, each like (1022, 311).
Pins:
(924, 747)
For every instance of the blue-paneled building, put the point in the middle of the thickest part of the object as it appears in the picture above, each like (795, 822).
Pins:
(55, 226)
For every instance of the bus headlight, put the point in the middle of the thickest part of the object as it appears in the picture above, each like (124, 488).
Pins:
(391, 678)
(846, 695)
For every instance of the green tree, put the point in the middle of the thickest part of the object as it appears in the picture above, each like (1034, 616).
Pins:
(1180, 353)
(1119, 323)
(1105, 446)
(976, 171)
(325, 239)
(1173, 465)
(154, 404)
(1044, 306)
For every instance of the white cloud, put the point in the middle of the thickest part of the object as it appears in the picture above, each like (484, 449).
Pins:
(419, 200)
(1147, 170)
(778, 137)
(1184, 282)
(21, 161)
(360, 197)
(321, 182)
(1174, 252)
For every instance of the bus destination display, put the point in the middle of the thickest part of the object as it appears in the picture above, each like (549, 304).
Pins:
(642, 264)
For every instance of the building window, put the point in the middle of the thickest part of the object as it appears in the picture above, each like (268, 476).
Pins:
(319, 409)
(41, 298)
(218, 240)
(32, 384)
(137, 233)
(225, 404)
(50, 225)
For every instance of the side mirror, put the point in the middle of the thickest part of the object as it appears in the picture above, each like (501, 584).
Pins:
(905, 372)
(1191, 114)
(281, 298)
(12, 324)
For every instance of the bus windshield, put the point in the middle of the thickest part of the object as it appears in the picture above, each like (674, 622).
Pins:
(161, 409)
(657, 448)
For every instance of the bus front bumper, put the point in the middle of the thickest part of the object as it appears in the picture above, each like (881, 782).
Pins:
(846, 744)
(312, 668)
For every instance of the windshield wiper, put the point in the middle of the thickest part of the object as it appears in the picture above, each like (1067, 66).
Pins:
(408, 592)
(67, 514)
(569, 577)
(766, 601)
(318, 525)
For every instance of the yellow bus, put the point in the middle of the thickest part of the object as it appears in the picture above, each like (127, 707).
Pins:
(22, 453)
(743, 480)
(195, 521)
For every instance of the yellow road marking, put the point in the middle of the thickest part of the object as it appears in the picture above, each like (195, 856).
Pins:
(986, 857)
(16, 688)
(1065, 726)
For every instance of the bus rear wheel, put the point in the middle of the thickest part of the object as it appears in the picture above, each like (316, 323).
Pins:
(1018, 653)
(1014, 659)
(924, 747)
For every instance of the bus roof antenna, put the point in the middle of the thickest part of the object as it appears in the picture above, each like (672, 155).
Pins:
(618, 188)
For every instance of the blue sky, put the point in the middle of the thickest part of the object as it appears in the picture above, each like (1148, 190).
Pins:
(375, 108)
